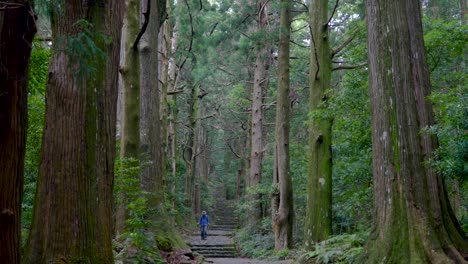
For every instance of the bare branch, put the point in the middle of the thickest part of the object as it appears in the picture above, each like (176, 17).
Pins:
(208, 116)
(333, 13)
(191, 35)
(342, 45)
(315, 52)
(8, 6)
(145, 24)
(349, 67)
(175, 92)
(233, 152)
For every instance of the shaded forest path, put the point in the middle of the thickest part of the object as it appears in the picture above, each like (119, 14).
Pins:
(219, 247)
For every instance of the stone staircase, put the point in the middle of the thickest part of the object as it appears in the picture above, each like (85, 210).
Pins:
(223, 222)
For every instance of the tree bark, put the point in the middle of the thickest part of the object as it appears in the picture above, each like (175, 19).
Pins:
(318, 223)
(260, 85)
(282, 201)
(150, 124)
(189, 149)
(130, 73)
(72, 211)
(463, 11)
(413, 221)
(17, 29)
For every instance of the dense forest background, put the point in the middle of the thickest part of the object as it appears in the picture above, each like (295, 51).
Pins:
(197, 111)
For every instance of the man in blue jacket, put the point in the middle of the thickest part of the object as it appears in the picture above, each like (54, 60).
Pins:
(204, 222)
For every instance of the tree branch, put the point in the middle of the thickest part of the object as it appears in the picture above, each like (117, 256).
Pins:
(145, 24)
(315, 52)
(233, 152)
(191, 35)
(342, 45)
(175, 92)
(333, 13)
(349, 67)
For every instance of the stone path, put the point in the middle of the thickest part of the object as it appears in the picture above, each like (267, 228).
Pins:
(219, 243)
(219, 247)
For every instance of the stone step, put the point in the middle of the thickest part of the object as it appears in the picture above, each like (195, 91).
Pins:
(215, 250)
(223, 227)
(219, 246)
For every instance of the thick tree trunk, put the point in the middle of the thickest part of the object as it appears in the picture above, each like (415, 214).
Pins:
(72, 210)
(17, 29)
(413, 221)
(150, 124)
(318, 223)
(130, 73)
(260, 84)
(282, 201)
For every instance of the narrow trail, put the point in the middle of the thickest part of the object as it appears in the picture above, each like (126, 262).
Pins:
(219, 247)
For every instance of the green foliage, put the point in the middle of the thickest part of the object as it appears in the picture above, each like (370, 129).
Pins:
(339, 249)
(40, 57)
(256, 241)
(85, 51)
(136, 244)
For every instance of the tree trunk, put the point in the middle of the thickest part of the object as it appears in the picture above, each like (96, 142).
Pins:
(165, 41)
(130, 73)
(413, 221)
(282, 201)
(172, 101)
(17, 29)
(318, 223)
(189, 149)
(71, 216)
(150, 125)
(260, 84)
(463, 11)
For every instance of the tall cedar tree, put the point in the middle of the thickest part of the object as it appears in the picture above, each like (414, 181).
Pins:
(260, 85)
(17, 29)
(282, 201)
(130, 85)
(72, 215)
(413, 221)
(150, 125)
(318, 224)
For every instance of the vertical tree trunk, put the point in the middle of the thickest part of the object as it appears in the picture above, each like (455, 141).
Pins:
(150, 124)
(463, 11)
(282, 201)
(130, 73)
(189, 149)
(260, 84)
(172, 100)
(413, 221)
(318, 223)
(165, 45)
(17, 29)
(73, 198)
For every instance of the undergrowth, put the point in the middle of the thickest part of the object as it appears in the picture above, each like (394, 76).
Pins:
(343, 249)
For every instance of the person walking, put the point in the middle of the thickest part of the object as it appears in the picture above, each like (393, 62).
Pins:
(204, 222)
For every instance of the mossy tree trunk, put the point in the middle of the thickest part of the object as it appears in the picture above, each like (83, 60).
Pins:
(72, 210)
(260, 85)
(130, 73)
(152, 174)
(17, 29)
(282, 201)
(413, 221)
(190, 145)
(318, 223)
